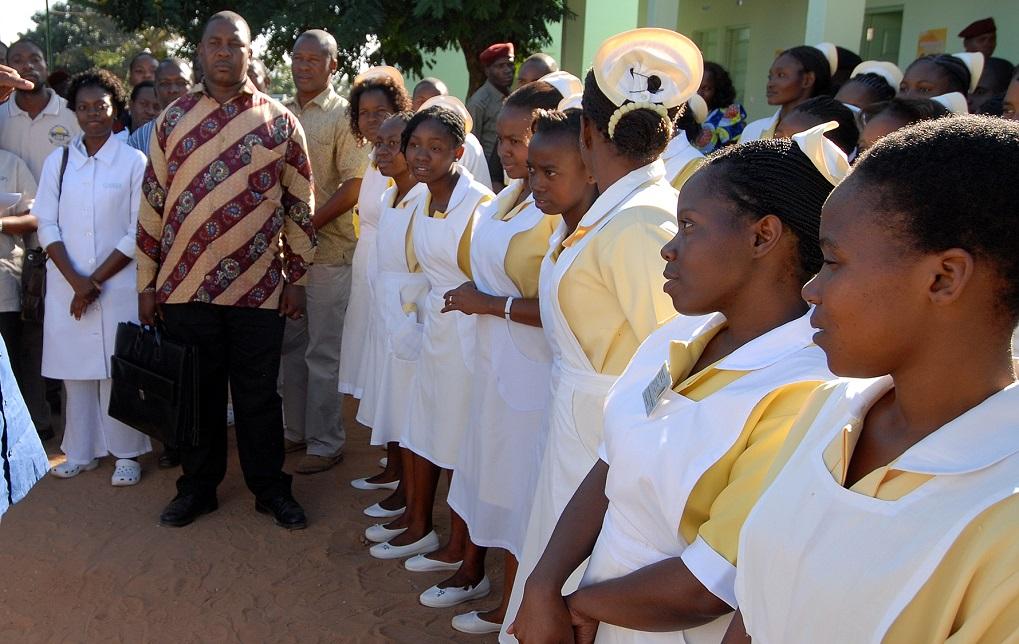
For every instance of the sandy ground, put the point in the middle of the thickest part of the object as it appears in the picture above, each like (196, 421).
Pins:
(83, 561)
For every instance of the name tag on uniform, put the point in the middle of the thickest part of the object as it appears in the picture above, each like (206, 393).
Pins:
(653, 392)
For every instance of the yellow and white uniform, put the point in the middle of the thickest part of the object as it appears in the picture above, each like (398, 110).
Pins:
(363, 269)
(920, 550)
(600, 294)
(398, 294)
(681, 160)
(761, 128)
(440, 401)
(501, 453)
(682, 479)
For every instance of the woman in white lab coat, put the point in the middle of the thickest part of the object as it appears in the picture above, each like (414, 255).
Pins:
(891, 512)
(87, 225)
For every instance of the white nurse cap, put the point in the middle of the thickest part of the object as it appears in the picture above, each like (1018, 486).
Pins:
(454, 104)
(565, 83)
(954, 102)
(828, 158)
(974, 62)
(831, 54)
(698, 108)
(571, 102)
(888, 71)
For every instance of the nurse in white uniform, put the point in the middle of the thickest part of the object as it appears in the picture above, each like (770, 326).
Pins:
(438, 415)
(396, 335)
(87, 224)
(694, 422)
(600, 289)
(797, 74)
(380, 93)
(892, 510)
(493, 482)
(681, 158)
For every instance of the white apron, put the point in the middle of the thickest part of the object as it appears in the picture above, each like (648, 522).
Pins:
(578, 391)
(755, 129)
(821, 563)
(362, 269)
(439, 411)
(500, 456)
(679, 154)
(399, 295)
(655, 462)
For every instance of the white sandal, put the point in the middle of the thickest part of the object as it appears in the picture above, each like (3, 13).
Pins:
(127, 472)
(66, 471)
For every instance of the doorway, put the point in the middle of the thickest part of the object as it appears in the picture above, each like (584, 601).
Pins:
(882, 34)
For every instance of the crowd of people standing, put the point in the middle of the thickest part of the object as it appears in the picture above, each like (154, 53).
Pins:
(776, 380)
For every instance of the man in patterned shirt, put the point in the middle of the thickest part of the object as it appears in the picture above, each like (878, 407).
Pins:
(225, 240)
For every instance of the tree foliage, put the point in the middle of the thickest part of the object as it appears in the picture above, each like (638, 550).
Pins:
(81, 37)
(406, 33)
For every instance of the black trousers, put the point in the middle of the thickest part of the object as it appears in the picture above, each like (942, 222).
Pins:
(241, 346)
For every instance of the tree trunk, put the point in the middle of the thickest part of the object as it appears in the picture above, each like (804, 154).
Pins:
(475, 72)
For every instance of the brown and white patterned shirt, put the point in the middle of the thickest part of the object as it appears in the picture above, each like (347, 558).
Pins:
(228, 191)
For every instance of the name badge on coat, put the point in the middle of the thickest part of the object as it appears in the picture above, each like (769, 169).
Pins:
(653, 392)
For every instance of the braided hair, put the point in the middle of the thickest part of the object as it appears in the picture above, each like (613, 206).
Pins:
(725, 91)
(954, 70)
(537, 95)
(939, 182)
(775, 177)
(449, 120)
(395, 93)
(640, 135)
(812, 60)
(877, 86)
(908, 110)
(826, 108)
(105, 81)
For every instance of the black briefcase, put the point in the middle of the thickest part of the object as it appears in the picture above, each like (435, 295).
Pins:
(155, 385)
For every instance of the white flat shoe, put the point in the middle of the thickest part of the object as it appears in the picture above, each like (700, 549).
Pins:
(381, 534)
(378, 512)
(384, 462)
(472, 623)
(427, 543)
(421, 563)
(127, 472)
(67, 471)
(436, 597)
(363, 484)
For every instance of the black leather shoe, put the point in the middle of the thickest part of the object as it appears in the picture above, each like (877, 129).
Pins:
(286, 512)
(169, 458)
(185, 508)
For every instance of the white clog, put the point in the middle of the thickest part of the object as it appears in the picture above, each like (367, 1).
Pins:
(127, 472)
(67, 471)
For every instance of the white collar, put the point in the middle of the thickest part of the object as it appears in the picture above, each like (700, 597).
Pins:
(676, 147)
(106, 154)
(979, 438)
(504, 201)
(614, 194)
(764, 350)
(52, 106)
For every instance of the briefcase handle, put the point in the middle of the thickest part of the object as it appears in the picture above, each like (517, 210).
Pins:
(157, 334)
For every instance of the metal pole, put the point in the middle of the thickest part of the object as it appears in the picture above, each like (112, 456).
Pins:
(49, 55)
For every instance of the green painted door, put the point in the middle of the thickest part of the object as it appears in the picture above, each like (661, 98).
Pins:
(882, 34)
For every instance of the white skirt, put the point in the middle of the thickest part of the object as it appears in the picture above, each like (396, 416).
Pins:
(355, 323)
(500, 458)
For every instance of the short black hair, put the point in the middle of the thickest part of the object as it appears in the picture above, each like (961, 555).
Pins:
(25, 41)
(814, 61)
(1000, 71)
(908, 110)
(877, 85)
(956, 71)
(556, 123)
(826, 108)
(775, 177)
(940, 183)
(143, 53)
(104, 80)
(449, 120)
(139, 87)
(640, 135)
(395, 93)
(725, 91)
(538, 95)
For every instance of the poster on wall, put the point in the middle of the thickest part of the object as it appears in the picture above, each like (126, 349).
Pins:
(932, 41)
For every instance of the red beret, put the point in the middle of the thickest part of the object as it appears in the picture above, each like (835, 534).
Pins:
(495, 52)
(979, 28)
